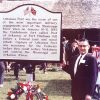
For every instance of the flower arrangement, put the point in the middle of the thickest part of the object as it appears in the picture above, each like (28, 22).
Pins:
(30, 91)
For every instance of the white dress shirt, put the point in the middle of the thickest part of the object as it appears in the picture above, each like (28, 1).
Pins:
(78, 62)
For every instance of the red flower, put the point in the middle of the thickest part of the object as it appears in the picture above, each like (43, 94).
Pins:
(9, 93)
(28, 89)
(46, 97)
(33, 11)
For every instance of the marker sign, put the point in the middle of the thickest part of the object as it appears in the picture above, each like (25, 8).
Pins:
(30, 32)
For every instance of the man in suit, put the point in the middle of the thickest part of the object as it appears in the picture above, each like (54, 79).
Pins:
(17, 67)
(30, 71)
(83, 70)
(72, 51)
(2, 69)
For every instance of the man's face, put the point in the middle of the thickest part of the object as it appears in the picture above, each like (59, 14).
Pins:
(83, 47)
(74, 45)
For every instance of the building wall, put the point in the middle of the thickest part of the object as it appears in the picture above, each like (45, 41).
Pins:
(76, 14)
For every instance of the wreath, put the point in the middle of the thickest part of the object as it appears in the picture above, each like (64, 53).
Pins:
(31, 92)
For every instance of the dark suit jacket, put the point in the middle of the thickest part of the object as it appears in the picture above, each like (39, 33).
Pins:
(70, 54)
(83, 82)
(2, 67)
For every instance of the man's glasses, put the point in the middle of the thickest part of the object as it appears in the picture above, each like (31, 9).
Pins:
(83, 45)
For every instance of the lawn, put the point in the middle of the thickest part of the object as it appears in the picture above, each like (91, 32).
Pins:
(56, 84)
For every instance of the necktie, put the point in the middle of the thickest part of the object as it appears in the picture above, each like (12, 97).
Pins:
(79, 60)
(77, 64)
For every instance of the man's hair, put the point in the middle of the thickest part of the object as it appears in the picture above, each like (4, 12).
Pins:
(74, 41)
(64, 39)
(83, 39)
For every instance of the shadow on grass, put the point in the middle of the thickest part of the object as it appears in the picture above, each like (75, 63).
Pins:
(58, 88)
(8, 79)
(9, 74)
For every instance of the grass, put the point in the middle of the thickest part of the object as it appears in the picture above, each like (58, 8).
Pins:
(56, 84)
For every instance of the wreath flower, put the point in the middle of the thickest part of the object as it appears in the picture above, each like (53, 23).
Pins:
(30, 91)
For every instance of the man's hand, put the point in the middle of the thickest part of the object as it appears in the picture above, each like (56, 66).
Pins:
(62, 65)
(88, 97)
